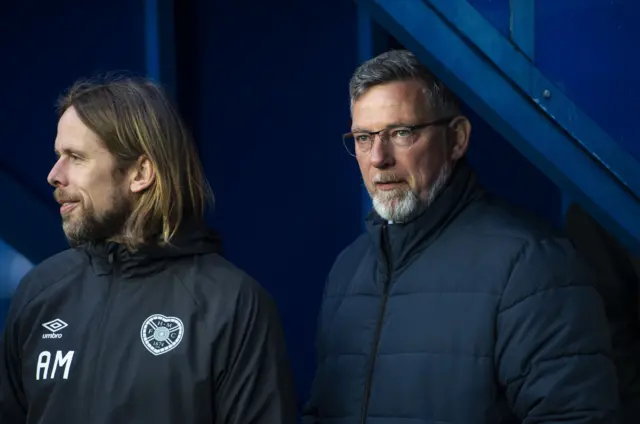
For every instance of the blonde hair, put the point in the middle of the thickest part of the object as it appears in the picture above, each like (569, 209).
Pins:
(134, 118)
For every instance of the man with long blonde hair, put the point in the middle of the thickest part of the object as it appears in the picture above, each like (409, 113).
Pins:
(142, 320)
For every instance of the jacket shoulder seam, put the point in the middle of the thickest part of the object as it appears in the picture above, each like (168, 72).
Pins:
(42, 291)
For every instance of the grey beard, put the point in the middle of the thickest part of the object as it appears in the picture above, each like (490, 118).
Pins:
(403, 205)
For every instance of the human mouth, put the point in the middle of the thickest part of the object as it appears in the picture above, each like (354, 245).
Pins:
(67, 207)
(389, 185)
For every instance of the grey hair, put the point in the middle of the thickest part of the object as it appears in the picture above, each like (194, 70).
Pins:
(402, 65)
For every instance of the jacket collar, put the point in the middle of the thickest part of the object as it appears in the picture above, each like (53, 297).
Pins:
(404, 240)
(107, 257)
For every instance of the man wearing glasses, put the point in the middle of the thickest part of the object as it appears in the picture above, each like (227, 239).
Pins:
(452, 307)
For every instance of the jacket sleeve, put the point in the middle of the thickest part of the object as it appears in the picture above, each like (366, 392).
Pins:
(13, 407)
(310, 407)
(618, 284)
(553, 347)
(254, 383)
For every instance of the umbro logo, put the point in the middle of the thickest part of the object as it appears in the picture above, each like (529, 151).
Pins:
(54, 326)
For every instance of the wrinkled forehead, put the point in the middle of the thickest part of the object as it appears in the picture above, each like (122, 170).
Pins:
(398, 103)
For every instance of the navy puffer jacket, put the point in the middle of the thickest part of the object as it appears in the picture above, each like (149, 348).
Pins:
(470, 314)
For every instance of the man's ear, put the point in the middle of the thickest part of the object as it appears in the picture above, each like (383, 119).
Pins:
(459, 133)
(142, 175)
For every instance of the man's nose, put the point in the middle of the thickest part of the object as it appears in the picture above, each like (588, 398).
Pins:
(381, 154)
(56, 176)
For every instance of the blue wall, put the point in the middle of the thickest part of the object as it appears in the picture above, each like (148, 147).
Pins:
(586, 48)
(265, 88)
(13, 266)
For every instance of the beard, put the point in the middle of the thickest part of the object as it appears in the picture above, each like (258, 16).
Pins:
(83, 225)
(403, 204)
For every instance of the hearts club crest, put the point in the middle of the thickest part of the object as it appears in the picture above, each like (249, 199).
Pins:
(160, 334)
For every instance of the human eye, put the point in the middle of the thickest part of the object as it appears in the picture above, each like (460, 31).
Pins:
(361, 138)
(401, 133)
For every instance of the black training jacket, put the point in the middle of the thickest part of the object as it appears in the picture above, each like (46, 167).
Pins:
(178, 335)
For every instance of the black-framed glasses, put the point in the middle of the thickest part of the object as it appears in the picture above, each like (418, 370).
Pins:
(399, 135)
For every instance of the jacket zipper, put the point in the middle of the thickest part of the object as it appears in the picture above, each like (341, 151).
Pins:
(113, 289)
(376, 340)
